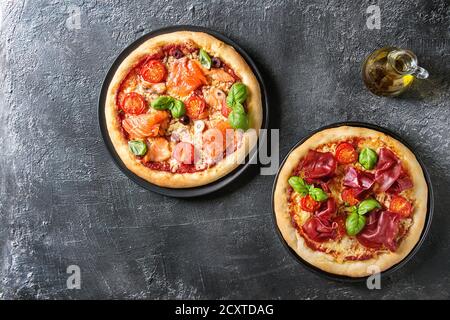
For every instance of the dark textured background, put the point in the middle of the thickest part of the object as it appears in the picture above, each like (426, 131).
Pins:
(63, 201)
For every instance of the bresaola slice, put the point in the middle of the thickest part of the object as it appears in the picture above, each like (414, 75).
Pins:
(319, 231)
(381, 229)
(402, 183)
(327, 210)
(321, 227)
(388, 169)
(319, 166)
(358, 179)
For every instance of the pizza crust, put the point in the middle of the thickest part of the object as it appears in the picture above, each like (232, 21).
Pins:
(216, 48)
(322, 260)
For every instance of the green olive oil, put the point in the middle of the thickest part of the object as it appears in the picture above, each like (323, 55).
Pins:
(390, 71)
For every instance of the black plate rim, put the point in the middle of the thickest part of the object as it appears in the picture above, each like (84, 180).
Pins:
(412, 253)
(183, 192)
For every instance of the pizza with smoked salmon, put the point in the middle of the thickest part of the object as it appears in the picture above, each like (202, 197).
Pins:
(351, 201)
(183, 110)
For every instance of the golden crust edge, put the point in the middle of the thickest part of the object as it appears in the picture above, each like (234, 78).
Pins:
(322, 260)
(254, 104)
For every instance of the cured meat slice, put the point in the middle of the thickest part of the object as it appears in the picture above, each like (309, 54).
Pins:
(319, 165)
(321, 227)
(327, 211)
(319, 231)
(388, 169)
(402, 183)
(357, 179)
(381, 229)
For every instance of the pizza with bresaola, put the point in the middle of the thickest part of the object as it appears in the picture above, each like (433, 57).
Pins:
(351, 198)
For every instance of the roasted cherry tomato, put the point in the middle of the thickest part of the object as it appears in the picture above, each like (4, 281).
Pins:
(309, 204)
(349, 196)
(184, 153)
(196, 107)
(346, 153)
(134, 103)
(401, 206)
(153, 71)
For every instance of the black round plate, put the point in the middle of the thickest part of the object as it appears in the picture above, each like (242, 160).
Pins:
(430, 207)
(186, 192)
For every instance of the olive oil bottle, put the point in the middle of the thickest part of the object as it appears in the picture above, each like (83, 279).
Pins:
(389, 71)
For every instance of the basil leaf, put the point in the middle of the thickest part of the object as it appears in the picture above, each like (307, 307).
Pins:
(204, 58)
(354, 224)
(137, 147)
(368, 205)
(238, 107)
(163, 103)
(238, 120)
(237, 94)
(177, 109)
(368, 158)
(353, 209)
(299, 185)
(318, 194)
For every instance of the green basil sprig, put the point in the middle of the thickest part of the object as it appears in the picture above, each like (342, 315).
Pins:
(137, 147)
(162, 103)
(238, 120)
(356, 220)
(205, 59)
(237, 95)
(318, 194)
(368, 158)
(355, 223)
(301, 187)
(175, 106)
(368, 205)
(238, 108)
(178, 109)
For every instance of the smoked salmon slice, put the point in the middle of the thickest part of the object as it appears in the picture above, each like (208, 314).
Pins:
(145, 125)
(185, 76)
(158, 150)
(220, 75)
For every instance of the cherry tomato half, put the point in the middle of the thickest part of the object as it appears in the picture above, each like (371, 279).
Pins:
(134, 103)
(309, 204)
(401, 206)
(349, 196)
(196, 107)
(153, 71)
(346, 153)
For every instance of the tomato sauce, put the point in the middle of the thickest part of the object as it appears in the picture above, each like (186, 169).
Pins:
(231, 72)
(161, 166)
(165, 166)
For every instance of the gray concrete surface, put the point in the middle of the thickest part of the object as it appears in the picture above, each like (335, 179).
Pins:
(64, 202)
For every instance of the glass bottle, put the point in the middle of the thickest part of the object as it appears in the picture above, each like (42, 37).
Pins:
(389, 71)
